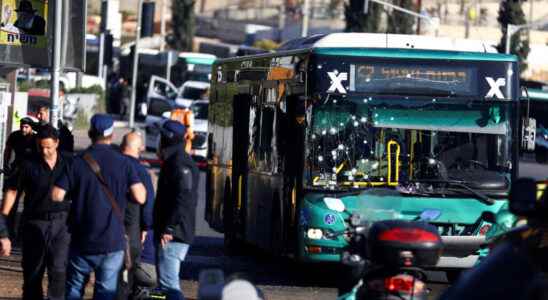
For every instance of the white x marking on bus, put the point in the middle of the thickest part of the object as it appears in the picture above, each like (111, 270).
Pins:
(336, 81)
(495, 87)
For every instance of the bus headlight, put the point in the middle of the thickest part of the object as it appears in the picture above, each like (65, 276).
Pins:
(314, 234)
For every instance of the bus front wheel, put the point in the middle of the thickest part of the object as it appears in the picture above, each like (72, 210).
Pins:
(541, 155)
(232, 244)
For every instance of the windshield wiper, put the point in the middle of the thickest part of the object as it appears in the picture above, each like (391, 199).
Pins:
(337, 192)
(461, 184)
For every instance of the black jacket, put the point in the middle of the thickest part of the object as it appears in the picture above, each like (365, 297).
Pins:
(175, 205)
(514, 270)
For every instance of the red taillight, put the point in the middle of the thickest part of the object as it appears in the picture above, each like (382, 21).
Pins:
(314, 249)
(404, 284)
(407, 235)
(484, 229)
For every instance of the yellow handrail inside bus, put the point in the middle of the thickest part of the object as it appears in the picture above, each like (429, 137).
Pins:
(339, 168)
(389, 158)
(240, 192)
(293, 203)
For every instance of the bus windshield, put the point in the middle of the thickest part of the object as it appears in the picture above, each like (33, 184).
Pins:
(360, 142)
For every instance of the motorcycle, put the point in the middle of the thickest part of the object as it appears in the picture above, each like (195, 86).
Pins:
(517, 264)
(391, 255)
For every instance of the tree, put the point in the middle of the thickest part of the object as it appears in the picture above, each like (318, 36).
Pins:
(357, 21)
(400, 22)
(511, 12)
(182, 12)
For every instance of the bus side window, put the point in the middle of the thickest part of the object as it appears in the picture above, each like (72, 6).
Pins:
(267, 133)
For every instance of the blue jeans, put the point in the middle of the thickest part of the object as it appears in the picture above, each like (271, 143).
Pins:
(106, 267)
(168, 260)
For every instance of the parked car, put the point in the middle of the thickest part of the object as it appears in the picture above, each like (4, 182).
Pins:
(163, 97)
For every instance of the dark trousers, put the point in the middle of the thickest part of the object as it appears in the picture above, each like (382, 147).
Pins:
(13, 221)
(126, 282)
(45, 246)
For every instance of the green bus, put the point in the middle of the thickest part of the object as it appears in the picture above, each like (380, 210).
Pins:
(536, 105)
(385, 126)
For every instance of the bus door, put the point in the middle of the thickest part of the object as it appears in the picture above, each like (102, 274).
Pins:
(265, 179)
(238, 202)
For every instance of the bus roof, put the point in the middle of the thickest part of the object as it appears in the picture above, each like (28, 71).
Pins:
(402, 41)
(389, 45)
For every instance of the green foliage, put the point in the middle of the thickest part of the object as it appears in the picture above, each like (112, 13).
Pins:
(400, 22)
(511, 12)
(42, 84)
(126, 14)
(357, 21)
(183, 20)
(266, 45)
(24, 86)
(82, 120)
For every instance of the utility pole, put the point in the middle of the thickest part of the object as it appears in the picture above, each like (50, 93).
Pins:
(281, 21)
(419, 8)
(104, 25)
(202, 6)
(530, 17)
(135, 66)
(306, 12)
(398, 8)
(163, 25)
(512, 29)
(467, 22)
(56, 66)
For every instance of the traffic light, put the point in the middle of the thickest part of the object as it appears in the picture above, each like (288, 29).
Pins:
(359, 6)
(147, 25)
(104, 16)
(109, 48)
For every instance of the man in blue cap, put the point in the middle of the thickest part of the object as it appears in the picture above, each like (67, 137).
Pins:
(174, 208)
(98, 182)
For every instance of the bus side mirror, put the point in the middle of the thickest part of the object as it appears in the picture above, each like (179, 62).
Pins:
(528, 134)
(143, 109)
(527, 198)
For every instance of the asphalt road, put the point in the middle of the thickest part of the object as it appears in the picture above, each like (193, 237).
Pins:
(280, 278)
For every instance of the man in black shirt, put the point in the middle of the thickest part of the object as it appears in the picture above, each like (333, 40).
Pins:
(174, 215)
(20, 146)
(46, 238)
(66, 139)
(21, 143)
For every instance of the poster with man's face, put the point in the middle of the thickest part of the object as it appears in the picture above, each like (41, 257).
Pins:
(24, 23)
(26, 33)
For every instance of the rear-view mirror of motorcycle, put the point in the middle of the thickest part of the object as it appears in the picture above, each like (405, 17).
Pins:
(527, 198)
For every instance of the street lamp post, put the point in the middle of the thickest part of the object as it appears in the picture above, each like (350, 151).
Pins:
(407, 11)
(135, 67)
(512, 29)
(56, 67)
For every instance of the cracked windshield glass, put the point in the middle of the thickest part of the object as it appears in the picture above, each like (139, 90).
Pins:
(361, 142)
